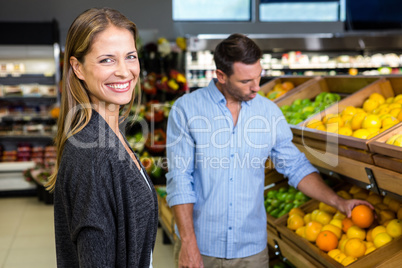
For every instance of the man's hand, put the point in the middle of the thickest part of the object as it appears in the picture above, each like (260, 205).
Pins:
(346, 206)
(190, 256)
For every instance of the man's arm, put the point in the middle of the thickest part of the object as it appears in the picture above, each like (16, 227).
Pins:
(189, 253)
(314, 186)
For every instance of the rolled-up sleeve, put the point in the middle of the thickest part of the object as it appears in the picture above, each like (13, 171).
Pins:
(180, 150)
(287, 159)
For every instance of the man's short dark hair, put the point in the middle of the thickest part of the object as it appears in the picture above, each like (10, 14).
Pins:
(236, 48)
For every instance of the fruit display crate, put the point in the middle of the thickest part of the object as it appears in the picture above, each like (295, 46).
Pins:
(382, 86)
(166, 218)
(387, 155)
(298, 82)
(372, 259)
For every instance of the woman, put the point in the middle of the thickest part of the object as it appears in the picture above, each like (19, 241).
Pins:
(105, 206)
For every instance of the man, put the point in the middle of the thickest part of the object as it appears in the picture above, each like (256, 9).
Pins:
(218, 140)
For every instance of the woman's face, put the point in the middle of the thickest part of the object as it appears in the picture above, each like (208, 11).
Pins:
(111, 68)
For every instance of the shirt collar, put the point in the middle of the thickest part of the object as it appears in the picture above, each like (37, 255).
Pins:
(217, 95)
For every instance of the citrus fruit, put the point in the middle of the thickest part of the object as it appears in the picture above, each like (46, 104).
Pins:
(369, 250)
(323, 217)
(307, 218)
(334, 229)
(313, 123)
(348, 260)
(321, 127)
(287, 85)
(344, 194)
(355, 247)
(356, 232)
(385, 215)
(369, 105)
(369, 236)
(339, 215)
(394, 228)
(368, 244)
(342, 242)
(361, 133)
(327, 208)
(334, 252)
(399, 117)
(326, 241)
(394, 105)
(314, 214)
(295, 221)
(395, 111)
(360, 195)
(371, 121)
(296, 211)
(374, 199)
(382, 239)
(349, 110)
(301, 231)
(347, 131)
(394, 205)
(336, 120)
(362, 216)
(340, 257)
(336, 222)
(357, 120)
(378, 230)
(390, 120)
(378, 97)
(312, 230)
(327, 116)
(346, 224)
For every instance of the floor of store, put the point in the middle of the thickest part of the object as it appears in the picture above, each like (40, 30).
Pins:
(27, 236)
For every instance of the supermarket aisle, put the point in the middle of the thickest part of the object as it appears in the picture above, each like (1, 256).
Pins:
(27, 236)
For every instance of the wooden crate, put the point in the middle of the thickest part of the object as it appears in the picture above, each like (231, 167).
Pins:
(298, 81)
(371, 260)
(382, 86)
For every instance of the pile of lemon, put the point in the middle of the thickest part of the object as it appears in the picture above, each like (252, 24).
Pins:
(345, 241)
(395, 140)
(376, 115)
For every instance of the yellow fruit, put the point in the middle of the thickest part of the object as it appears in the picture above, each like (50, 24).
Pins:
(394, 105)
(369, 105)
(386, 215)
(369, 237)
(334, 252)
(327, 116)
(335, 229)
(399, 117)
(349, 110)
(336, 222)
(395, 111)
(344, 194)
(383, 110)
(389, 100)
(361, 133)
(368, 244)
(399, 213)
(333, 128)
(387, 198)
(307, 218)
(347, 131)
(394, 228)
(297, 211)
(356, 232)
(355, 189)
(346, 117)
(314, 214)
(374, 199)
(313, 123)
(390, 120)
(323, 217)
(382, 239)
(397, 98)
(339, 215)
(371, 121)
(378, 97)
(398, 142)
(301, 231)
(394, 205)
(357, 120)
(312, 230)
(342, 242)
(377, 230)
(348, 260)
(355, 247)
(327, 208)
(295, 221)
(335, 120)
(321, 127)
(369, 250)
(373, 133)
(340, 257)
(360, 195)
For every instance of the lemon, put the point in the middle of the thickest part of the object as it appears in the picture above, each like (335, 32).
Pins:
(357, 120)
(398, 142)
(382, 239)
(369, 105)
(395, 111)
(336, 222)
(371, 121)
(369, 250)
(348, 260)
(398, 97)
(361, 133)
(349, 110)
(327, 208)
(378, 230)
(347, 131)
(378, 97)
(337, 120)
(340, 257)
(394, 228)
(334, 252)
(321, 127)
(392, 139)
(313, 123)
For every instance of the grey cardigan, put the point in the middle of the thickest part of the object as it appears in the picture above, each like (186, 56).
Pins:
(105, 213)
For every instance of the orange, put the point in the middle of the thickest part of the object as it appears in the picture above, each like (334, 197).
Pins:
(362, 216)
(334, 229)
(295, 221)
(326, 241)
(327, 208)
(312, 230)
(296, 211)
(356, 232)
(394, 228)
(368, 244)
(369, 105)
(301, 231)
(361, 133)
(323, 217)
(348, 260)
(357, 120)
(382, 239)
(340, 257)
(355, 247)
(346, 224)
(371, 121)
(377, 230)
(287, 85)
(378, 97)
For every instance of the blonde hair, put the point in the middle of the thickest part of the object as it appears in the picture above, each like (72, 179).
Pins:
(75, 110)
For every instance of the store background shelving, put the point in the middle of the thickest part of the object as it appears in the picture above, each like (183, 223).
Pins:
(29, 88)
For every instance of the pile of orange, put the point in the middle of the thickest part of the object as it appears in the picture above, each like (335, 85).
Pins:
(375, 115)
(280, 89)
(348, 239)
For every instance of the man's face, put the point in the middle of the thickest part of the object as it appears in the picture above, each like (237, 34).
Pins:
(244, 83)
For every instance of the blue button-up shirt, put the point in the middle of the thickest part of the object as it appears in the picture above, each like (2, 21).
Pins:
(220, 168)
